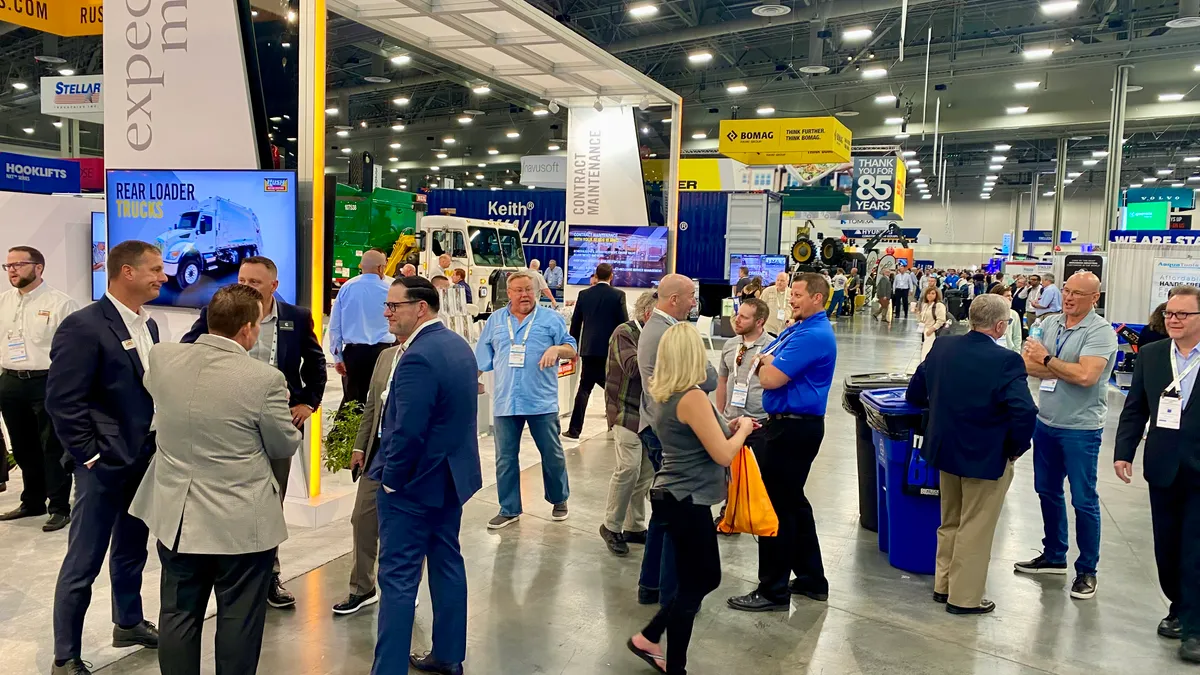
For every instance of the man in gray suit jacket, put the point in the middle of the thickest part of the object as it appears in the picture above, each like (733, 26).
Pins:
(209, 495)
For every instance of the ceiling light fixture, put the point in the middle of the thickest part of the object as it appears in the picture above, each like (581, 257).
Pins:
(465, 119)
(1149, 179)
(345, 151)
(915, 171)
(1073, 174)
(1003, 147)
(540, 112)
(1059, 7)
(1192, 160)
(1038, 53)
(1165, 172)
(553, 148)
(66, 72)
(508, 182)
(999, 159)
(401, 59)
(400, 100)
(1100, 154)
(699, 136)
(1024, 86)
(478, 176)
(449, 140)
(885, 98)
(493, 151)
(893, 120)
(926, 196)
(856, 34)
(874, 73)
(1170, 97)
(900, 137)
(1017, 110)
(20, 86)
(343, 134)
(912, 162)
(1091, 162)
(394, 146)
(643, 10)
(995, 167)
(57, 125)
(513, 134)
(397, 127)
(765, 110)
(909, 153)
(481, 90)
(737, 88)
(291, 16)
(442, 155)
(699, 57)
(666, 120)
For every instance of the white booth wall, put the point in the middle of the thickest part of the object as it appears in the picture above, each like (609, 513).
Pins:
(61, 228)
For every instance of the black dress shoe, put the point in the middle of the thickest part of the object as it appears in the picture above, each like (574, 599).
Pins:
(71, 667)
(1170, 628)
(144, 634)
(3, 486)
(985, 607)
(647, 596)
(615, 542)
(427, 664)
(356, 602)
(796, 588)
(278, 596)
(23, 511)
(755, 602)
(573, 435)
(1190, 650)
(632, 537)
(56, 522)
(941, 598)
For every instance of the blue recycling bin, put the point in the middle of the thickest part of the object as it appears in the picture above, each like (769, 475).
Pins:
(910, 510)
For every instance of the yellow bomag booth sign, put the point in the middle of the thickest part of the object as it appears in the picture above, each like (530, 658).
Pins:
(68, 18)
(796, 140)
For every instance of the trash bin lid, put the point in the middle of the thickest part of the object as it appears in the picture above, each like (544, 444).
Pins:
(863, 381)
(889, 401)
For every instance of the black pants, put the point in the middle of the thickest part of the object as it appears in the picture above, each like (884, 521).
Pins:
(1175, 513)
(360, 364)
(34, 444)
(792, 445)
(592, 375)
(282, 468)
(240, 582)
(900, 302)
(697, 568)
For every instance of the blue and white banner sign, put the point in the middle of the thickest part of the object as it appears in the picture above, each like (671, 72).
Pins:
(1176, 237)
(43, 175)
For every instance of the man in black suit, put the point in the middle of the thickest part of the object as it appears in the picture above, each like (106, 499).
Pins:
(102, 412)
(286, 341)
(598, 312)
(973, 441)
(1164, 379)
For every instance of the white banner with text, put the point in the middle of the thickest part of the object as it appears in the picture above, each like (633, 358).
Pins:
(604, 170)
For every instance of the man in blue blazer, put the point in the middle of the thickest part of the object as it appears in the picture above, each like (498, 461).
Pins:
(973, 440)
(428, 467)
(102, 412)
(286, 341)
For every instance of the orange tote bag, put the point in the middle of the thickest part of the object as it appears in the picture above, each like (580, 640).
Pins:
(749, 509)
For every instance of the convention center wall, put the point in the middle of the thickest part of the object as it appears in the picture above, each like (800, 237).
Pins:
(61, 228)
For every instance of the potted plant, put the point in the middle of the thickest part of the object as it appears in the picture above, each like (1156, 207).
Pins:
(339, 442)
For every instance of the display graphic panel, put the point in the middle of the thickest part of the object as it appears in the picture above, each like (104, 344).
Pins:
(99, 255)
(206, 223)
(638, 255)
(765, 266)
(1148, 216)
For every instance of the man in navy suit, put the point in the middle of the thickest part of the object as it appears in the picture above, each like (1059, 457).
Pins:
(973, 440)
(102, 412)
(286, 341)
(428, 467)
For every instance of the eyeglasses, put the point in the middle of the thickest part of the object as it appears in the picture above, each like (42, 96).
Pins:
(17, 265)
(1182, 316)
(394, 306)
(1077, 294)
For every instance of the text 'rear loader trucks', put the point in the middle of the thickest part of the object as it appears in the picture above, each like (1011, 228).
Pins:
(216, 234)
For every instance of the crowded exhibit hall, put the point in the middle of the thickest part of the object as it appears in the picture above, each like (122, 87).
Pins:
(515, 337)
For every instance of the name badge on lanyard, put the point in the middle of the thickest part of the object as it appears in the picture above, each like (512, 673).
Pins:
(1170, 404)
(16, 349)
(516, 352)
(1051, 385)
(741, 390)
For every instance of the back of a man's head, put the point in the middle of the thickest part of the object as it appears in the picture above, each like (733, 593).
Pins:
(232, 308)
(988, 310)
(373, 262)
(604, 272)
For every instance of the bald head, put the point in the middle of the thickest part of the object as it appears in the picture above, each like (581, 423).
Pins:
(1080, 294)
(676, 296)
(409, 270)
(373, 262)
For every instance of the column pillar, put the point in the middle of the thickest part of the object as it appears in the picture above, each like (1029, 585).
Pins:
(1016, 228)
(1033, 195)
(671, 188)
(1116, 135)
(1060, 178)
(64, 137)
(76, 148)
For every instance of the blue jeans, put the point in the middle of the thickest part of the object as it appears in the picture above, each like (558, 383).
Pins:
(835, 303)
(658, 558)
(544, 429)
(1070, 454)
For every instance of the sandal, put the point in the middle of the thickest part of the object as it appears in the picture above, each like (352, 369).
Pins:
(658, 663)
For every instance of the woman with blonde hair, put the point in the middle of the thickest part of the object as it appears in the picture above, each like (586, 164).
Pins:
(933, 317)
(697, 447)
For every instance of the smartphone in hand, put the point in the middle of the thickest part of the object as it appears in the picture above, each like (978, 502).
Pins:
(355, 472)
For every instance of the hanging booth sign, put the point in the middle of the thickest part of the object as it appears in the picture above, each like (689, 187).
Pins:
(69, 18)
(1180, 198)
(604, 170)
(91, 173)
(1180, 221)
(1045, 236)
(879, 187)
(43, 175)
(545, 171)
(1169, 273)
(78, 97)
(797, 140)
(1178, 237)
(718, 174)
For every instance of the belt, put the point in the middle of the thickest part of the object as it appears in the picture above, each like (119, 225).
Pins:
(26, 374)
(794, 416)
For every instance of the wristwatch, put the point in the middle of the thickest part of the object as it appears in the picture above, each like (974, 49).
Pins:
(1046, 361)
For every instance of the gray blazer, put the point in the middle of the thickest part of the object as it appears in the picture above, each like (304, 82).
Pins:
(372, 410)
(220, 416)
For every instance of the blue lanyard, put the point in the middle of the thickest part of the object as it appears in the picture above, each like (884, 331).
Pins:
(1058, 347)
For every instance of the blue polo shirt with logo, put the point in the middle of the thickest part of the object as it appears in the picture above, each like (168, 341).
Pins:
(806, 352)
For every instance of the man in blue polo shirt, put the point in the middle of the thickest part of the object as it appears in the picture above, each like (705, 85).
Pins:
(795, 372)
(524, 345)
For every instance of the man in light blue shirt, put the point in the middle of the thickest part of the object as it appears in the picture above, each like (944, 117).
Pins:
(1049, 301)
(523, 345)
(358, 330)
(554, 276)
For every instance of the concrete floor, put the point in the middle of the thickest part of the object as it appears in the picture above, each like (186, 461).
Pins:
(547, 597)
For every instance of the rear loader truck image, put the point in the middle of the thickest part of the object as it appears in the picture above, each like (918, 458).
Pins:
(217, 234)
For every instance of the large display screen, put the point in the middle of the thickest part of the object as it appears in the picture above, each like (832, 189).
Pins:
(99, 255)
(1148, 216)
(638, 255)
(206, 223)
(765, 266)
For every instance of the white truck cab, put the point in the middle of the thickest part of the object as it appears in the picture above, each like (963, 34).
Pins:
(481, 247)
(217, 233)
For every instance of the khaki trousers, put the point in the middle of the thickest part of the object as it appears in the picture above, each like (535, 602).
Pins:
(364, 522)
(629, 488)
(970, 509)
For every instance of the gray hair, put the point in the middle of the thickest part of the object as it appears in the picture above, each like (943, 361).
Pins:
(644, 304)
(1048, 277)
(520, 274)
(534, 264)
(988, 310)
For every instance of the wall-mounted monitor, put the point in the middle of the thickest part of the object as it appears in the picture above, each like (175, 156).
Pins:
(206, 222)
(767, 266)
(99, 255)
(1148, 216)
(638, 255)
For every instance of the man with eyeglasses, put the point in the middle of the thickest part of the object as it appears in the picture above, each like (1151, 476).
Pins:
(1164, 379)
(1073, 359)
(30, 313)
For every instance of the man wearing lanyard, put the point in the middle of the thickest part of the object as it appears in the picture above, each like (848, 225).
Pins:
(796, 371)
(286, 341)
(524, 345)
(1164, 384)
(739, 392)
(1073, 359)
(778, 297)
(30, 312)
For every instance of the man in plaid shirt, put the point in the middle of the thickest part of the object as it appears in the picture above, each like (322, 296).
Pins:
(625, 514)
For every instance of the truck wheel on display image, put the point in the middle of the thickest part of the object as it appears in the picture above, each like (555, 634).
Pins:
(189, 272)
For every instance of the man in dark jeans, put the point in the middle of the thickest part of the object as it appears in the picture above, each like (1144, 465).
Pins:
(796, 371)
(598, 312)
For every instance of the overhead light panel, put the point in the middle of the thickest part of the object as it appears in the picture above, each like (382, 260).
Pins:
(643, 10)
(1074, 174)
(737, 89)
(1149, 179)
(991, 177)
(1091, 162)
(765, 110)
(343, 134)
(995, 167)
(699, 135)
(481, 90)
(540, 112)
(1170, 97)
(909, 153)
(346, 151)
(894, 120)
(20, 86)
(1017, 110)
(291, 16)
(1165, 172)
(985, 195)
(401, 59)
(400, 100)
(988, 188)
(1100, 154)
(57, 125)
(874, 73)
(913, 162)
(28, 130)
(478, 176)
(393, 159)
(481, 165)
(66, 72)
(1003, 147)
(442, 155)
(699, 57)
(508, 182)
(666, 120)
(513, 134)
(999, 159)
(1191, 160)
(915, 171)
(1048, 194)
(1025, 86)
(856, 34)
(885, 98)
(465, 119)
(449, 140)
(493, 151)
(397, 127)
(394, 146)
(1038, 53)
(553, 148)
(1057, 7)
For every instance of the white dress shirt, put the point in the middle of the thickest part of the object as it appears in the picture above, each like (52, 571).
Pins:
(28, 322)
(135, 322)
(265, 349)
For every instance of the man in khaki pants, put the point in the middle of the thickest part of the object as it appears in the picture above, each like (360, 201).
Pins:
(973, 441)
(365, 519)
